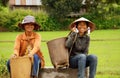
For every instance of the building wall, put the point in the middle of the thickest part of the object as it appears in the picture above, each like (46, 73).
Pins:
(25, 2)
(11, 2)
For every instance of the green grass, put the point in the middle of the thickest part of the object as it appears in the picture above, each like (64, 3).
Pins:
(106, 34)
(107, 48)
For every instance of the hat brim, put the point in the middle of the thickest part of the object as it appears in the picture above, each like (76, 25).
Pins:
(36, 26)
(90, 24)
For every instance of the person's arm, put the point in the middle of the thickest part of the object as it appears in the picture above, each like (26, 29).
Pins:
(36, 45)
(17, 46)
(87, 45)
(70, 39)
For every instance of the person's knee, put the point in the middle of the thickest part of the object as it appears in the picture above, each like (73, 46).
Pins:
(36, 56)
(81, 56)
(93, 57)
(8, 63)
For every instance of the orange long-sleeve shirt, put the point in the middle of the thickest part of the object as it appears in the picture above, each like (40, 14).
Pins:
(22, 42)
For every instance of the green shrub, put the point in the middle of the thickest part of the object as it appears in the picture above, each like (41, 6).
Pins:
(10, 20)
(50, 24)
(3, 67)
(104, 21)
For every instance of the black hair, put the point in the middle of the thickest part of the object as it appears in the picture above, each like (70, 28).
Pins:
(35, 26)
(87, 23)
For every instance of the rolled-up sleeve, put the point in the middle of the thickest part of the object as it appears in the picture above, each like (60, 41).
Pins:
(17, 45)
(36, 44)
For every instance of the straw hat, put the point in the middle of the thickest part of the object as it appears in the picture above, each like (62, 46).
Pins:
(90, 24)
(29, 19)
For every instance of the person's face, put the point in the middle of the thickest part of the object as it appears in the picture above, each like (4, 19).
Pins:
(29, 27)
(82, 27)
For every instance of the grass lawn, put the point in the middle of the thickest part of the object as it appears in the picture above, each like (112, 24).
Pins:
(104, 43)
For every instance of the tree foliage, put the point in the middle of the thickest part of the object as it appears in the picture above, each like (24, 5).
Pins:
(3, 2)
(104, 13)
(60, 8)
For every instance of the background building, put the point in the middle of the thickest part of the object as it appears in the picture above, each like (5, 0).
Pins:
(26, 4)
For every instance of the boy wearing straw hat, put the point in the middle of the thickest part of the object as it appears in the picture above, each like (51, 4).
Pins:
(28, 43)
(79, 57)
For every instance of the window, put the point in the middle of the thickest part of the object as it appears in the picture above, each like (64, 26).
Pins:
(38, 2)
(17, 2)
(28, 2)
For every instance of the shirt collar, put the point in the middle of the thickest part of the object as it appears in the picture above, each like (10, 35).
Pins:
(25, 37)
(81, 36)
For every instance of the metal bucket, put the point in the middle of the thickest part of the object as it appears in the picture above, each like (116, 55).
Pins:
(20, 67)
(58, 52)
